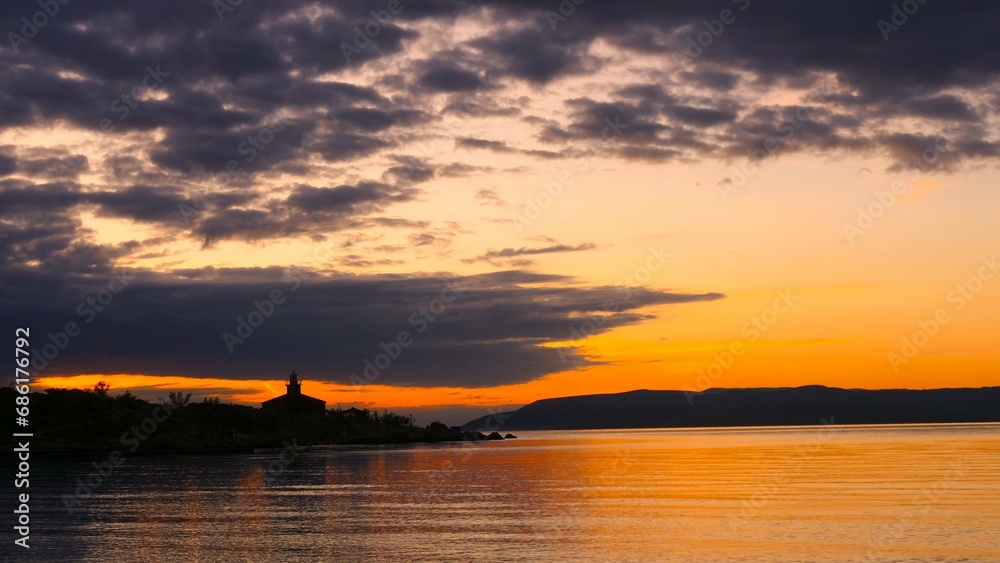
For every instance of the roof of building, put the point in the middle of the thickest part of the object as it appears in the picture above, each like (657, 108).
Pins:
(293, 399)
(293, 396)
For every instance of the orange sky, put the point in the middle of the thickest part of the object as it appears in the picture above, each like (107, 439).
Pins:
(837, 268)
(847, 309)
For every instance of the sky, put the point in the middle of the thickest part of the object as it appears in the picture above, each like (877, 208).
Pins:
(444, 208)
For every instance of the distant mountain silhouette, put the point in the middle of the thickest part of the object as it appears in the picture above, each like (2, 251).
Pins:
(749, 407)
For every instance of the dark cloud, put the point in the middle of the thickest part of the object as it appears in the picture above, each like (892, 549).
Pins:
(778, 45)
(502, 148)
(491, 197)
(409, 170)
(491, 332)
(456, 169)
(374, 120)
(429, 239)
(140, 203)
(342, 198)
(18, 196)
(339, 147)
(317, 44)
(359, 261)
(447, 79)
(43, 233)
(226, 76)
(252, 148)
(399, 223)
(914, 152)
(8, 160)
(492, 256)
(471, 143)
(53, 164)
(715, 80)
(480, 107)
(943, 107)
(535, 53)
(703, 117)
(307, 210)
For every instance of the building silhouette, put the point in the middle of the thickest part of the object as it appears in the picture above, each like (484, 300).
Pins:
(293, 402)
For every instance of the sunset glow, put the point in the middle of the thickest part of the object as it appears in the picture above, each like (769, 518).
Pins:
(621, 216)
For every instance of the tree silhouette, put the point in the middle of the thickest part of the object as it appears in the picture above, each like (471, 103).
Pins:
(102, 388)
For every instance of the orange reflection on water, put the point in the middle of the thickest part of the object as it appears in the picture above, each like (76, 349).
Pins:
(823, 493)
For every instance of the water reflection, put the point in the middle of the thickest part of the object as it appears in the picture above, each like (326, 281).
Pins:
(927, 492)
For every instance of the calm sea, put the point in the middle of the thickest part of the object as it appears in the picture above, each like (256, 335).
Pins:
(823, 493)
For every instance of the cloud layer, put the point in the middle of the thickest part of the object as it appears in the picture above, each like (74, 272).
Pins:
(467, 331)
(295, 120)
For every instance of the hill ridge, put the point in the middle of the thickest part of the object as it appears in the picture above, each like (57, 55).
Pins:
(761, 406)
